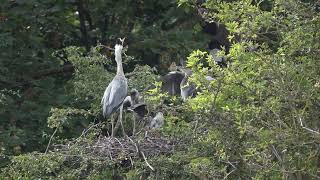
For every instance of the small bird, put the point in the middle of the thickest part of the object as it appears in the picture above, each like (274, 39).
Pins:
(116, 91)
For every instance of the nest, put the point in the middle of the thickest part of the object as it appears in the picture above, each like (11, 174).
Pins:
(127, 147)
(119, 149)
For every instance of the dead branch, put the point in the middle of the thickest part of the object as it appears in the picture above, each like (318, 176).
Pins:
(118, 149)
(145, 159)
(49, 143)
(308, 129)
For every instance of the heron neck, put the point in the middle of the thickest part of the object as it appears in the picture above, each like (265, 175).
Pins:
(120, 69)
(119, 63)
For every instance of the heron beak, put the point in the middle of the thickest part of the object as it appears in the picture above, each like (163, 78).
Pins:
(122, 40)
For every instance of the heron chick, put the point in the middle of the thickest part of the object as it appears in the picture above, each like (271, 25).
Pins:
(157, 121)
(132, 104)
(131, 100)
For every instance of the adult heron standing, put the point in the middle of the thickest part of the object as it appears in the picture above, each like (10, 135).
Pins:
(116, 91)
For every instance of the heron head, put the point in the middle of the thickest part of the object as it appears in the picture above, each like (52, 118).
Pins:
(134, 94)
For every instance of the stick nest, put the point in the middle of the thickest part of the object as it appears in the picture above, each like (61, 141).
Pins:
(118, 149)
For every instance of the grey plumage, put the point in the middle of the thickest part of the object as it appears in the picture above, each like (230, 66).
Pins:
(133, 104)
(131, 100)
(187, 89)
(114, 95)
(171, 82)
(157, 121)
(116, 91)
(209, 78)
(215, 55)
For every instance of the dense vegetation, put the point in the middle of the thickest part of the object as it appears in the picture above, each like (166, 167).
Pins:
(258, 118)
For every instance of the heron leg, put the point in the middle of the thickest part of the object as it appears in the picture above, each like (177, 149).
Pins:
(120, 119)
(134, 125)
(112, 125)
(117, 124)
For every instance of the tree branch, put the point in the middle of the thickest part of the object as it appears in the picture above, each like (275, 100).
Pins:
(55, 131)
(308, 129)
(82, 20)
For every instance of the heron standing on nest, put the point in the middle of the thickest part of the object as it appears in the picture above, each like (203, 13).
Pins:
(116, 91)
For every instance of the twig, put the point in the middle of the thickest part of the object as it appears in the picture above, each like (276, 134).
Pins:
(84, 132)
(95, 125)
(122, 40)
(55, 131)
(275, 152)
(218, 91)
(131, 161)
(109, 48)
(226, 176)
(234, 168)
(119, 142)
(195, 127)
(110, 155)
(145, 159)
(134, 144)
(308, 129)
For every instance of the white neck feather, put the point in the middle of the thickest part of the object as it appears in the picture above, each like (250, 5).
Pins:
(118, 49)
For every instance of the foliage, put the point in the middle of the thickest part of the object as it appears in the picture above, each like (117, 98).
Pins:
(268, 91)
(257, 119)
(34, 62)
(28, 72)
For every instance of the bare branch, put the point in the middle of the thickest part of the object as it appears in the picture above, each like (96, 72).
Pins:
(308, 129)
(49, 143)
(145, 159)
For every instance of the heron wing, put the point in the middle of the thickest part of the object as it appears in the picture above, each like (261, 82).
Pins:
(118, 91)
(127, 102)
(171, 82)
(114, 95)
(105, 100)
(141, 109)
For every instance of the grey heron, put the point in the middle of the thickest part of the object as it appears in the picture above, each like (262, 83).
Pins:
(171, 82)
(131, 100)
(116, 91)
(187, 89)
(132, 103)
